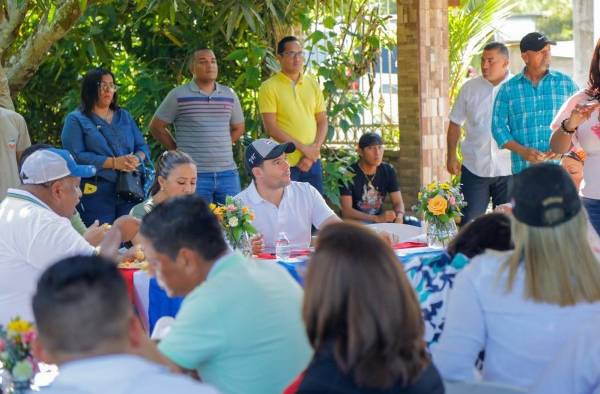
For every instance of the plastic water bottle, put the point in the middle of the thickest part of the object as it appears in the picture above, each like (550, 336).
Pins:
(282, 247)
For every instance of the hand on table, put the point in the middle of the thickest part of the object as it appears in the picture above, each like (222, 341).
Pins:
(257, 243)
(386, 217)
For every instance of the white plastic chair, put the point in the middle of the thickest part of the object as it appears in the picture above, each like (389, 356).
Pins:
(401, 232)
(480, 388)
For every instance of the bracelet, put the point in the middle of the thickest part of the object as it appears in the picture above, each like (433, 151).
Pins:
(564, 128)
(114, 163)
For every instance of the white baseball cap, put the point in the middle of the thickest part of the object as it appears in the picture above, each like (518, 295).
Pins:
(46, 165)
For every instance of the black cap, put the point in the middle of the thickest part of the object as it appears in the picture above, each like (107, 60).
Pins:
(544, 196)
(534, 42)
(369, 139)
(265, 149)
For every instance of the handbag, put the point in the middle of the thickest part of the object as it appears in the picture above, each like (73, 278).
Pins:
(129, 185)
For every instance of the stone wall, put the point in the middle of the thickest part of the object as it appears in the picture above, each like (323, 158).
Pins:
(422, 36)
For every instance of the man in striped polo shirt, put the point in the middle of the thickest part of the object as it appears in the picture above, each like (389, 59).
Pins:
(208, 120)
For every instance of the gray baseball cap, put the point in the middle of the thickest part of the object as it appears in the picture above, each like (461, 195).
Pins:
(265, 149)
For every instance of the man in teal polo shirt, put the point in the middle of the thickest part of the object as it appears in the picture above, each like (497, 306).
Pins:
(240, 325)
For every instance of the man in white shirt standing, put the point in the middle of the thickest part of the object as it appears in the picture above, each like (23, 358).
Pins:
(86, 325)
(280, 205)
(486, 169)
(35, 230)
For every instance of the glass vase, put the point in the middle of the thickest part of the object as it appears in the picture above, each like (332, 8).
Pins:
(440, 234)
(243, 245)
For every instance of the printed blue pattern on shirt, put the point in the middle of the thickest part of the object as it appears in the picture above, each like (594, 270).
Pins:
(523, 112)
(432, 276)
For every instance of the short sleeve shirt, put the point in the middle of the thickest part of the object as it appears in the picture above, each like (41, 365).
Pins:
(369, 191)
(32, 237)
(203, 124)
(14, 138)
(241, 329)
(295, 105)
(300, 208)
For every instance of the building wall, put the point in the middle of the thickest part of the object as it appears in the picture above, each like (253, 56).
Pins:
(423, 71)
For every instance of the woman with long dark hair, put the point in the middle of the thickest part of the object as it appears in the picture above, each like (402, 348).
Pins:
(363, 319)
(577, 124)
(102, 134)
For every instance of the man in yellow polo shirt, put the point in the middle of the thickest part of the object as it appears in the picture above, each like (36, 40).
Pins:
(293, 110)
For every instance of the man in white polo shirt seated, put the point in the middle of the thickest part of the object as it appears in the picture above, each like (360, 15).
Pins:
(35, 230)
(280, 205)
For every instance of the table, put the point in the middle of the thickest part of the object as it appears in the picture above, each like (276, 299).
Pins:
(430, 271)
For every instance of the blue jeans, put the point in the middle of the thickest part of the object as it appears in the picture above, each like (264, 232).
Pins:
(103, 204)
(592, 206)
(478, 190)
(213, 187)
(314, 175)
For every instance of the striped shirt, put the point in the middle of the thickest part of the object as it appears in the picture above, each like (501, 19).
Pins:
(202, 124)
(523, 112)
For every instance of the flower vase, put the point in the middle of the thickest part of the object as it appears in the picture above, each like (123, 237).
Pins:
(20, 386)
(243, 245)
(440, 234)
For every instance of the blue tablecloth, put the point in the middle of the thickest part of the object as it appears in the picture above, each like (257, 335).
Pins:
(431, 273)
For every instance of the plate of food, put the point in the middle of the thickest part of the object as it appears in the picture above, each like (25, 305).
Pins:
(136, 261)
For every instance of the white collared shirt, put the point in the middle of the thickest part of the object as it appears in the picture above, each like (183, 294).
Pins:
(32, 237)
(300, 208)
(121, 374)
(473, 107)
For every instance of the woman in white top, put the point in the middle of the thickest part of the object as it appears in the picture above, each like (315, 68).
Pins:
(577, 124)
(520, 306)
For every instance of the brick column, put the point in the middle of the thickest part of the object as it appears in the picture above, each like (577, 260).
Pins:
(422, 93)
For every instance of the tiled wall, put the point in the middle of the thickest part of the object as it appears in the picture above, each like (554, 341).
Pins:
(422, 93)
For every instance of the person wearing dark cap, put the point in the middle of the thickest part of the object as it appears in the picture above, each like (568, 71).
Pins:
(373, 180)
(35, 230)
(526, 104)
(280, 204)
(520, 306)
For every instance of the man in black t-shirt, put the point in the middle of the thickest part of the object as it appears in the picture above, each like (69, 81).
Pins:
(373, 180)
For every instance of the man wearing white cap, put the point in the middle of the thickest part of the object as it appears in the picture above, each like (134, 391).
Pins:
(35, 230)
(278, 203)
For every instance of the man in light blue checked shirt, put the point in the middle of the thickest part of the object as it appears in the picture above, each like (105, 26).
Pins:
(526, 104)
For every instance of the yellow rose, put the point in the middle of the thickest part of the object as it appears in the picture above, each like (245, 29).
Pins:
(437, 205)
(212, 206)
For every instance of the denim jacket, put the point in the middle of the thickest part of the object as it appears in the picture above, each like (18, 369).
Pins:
(83, 136)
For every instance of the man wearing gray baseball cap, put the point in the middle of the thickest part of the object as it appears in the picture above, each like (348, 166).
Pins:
(279, 204)
(35, 230)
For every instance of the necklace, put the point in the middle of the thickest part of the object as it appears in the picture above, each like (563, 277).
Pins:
(106, 117)
(367, 178)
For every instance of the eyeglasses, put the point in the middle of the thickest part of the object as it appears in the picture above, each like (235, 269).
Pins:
(292, 54)
(107, 87)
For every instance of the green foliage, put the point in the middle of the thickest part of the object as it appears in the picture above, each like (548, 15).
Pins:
(556, 20)
(471, 26)
(336, 168)
(146, 43)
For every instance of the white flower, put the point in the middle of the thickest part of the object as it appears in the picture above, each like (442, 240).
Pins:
(233, 222)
